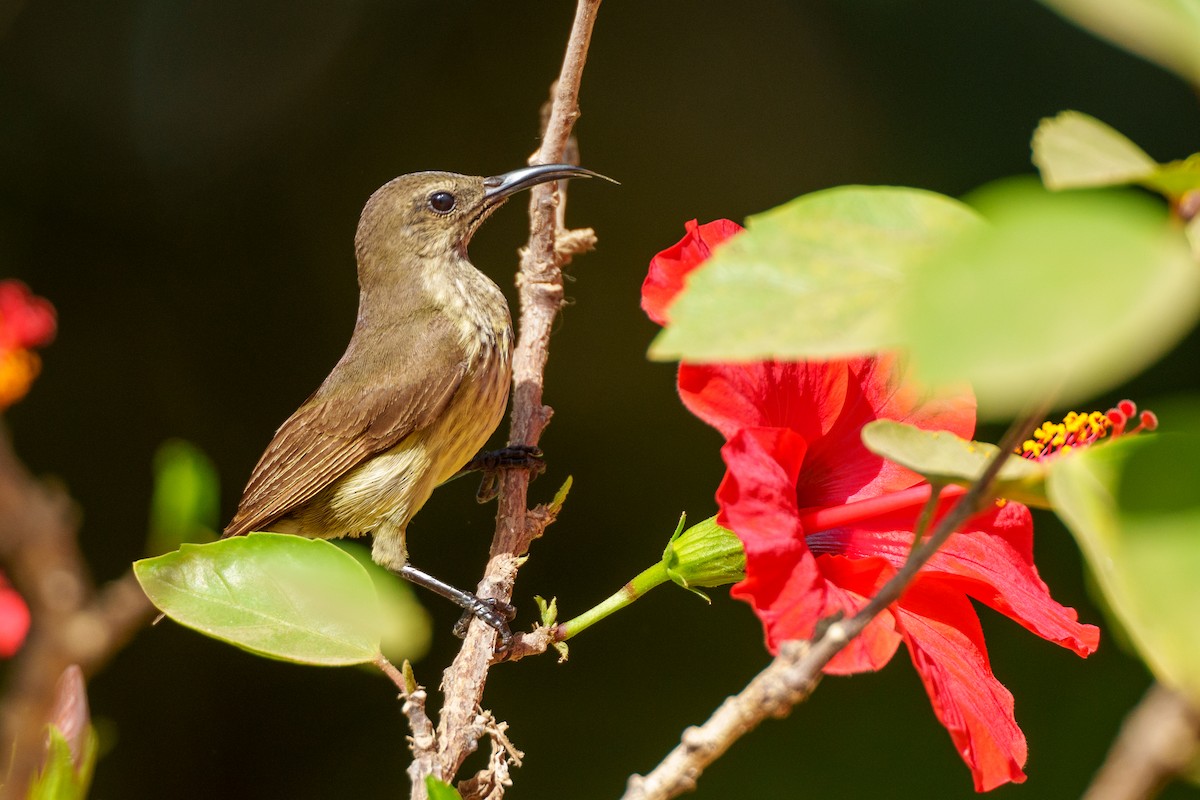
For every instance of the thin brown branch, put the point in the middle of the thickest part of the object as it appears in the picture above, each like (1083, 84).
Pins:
(792, 676)
(541, 293)
(73, 622)
(1159, 738)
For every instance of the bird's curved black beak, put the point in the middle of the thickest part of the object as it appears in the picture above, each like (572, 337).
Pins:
(499, 187)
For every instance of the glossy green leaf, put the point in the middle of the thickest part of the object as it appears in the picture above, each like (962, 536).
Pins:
(60, 778)
(1074, 150)
(439, 790)
(276, 595)
(943, 458)
(186, 501)
(1166, 32)
(407, 629)
(812, 278)
(1133, 507)
(1064, 295)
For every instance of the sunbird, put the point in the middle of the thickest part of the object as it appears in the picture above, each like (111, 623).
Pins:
(422, 385)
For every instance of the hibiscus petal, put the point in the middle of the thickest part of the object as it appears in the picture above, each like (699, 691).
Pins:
(801, 396)
(849, 584)
(827, 403)
(789, 593)
(880, 388)
(946, 644)
(758, 504)
(988, 560)
(669, 268)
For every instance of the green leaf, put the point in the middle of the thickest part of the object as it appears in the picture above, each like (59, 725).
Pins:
(439, 790)
(560, 497)
(186, 503)
(1064, 295)
(60, 778)
(1074, 150)
(407, 629)
(275, 595)
(1166, 32)
(1133, 507)
(812, 278)
(943, 458)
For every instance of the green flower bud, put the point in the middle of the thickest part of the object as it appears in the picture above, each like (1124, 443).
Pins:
(704, 555)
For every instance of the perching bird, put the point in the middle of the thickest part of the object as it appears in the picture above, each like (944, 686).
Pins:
(422, 385)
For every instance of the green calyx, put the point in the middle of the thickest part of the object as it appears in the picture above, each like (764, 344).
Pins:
(705, 554)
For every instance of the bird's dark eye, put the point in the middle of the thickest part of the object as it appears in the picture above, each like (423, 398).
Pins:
(441, 202)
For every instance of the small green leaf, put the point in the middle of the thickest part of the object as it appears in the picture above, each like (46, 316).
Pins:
(1132, 506)
(1064, 295)
(276, 595)
(1166, 32)
(943, 458)
(560, 496)
(812, 278)
(1074, 150)
(410, 678)
(60, 778)
(186, 503)
(547, 611)
(439, 790)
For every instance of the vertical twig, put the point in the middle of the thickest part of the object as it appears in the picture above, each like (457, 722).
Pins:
(541, 293)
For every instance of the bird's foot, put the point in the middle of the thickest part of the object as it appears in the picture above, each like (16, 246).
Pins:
(492, 462)
(494, 613)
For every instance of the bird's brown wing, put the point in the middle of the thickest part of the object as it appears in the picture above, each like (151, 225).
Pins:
(332, 432)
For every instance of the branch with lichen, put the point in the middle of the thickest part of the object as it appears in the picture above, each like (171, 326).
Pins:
(462, 723)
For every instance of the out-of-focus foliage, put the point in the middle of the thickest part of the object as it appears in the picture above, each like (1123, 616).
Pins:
(814, 278)
(1166, 32)
(185, 506)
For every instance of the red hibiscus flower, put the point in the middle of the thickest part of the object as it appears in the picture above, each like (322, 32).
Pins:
(825, 523)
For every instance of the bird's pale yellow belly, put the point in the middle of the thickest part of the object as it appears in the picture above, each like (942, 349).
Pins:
(382, 494)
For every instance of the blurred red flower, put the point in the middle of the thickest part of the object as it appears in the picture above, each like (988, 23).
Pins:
(14, 620)
(26, 322)
(825, 523)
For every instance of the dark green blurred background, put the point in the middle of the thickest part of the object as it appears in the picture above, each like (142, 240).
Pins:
(183, 181)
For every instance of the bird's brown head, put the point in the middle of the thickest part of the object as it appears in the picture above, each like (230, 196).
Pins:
(434, 214)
